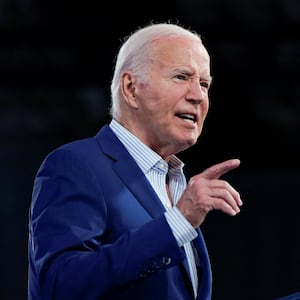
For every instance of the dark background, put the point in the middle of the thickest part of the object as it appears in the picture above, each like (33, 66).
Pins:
(56, 61)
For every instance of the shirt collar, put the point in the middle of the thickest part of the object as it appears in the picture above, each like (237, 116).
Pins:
(145, 157)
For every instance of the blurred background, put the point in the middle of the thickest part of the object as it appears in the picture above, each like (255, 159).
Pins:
(56, 63)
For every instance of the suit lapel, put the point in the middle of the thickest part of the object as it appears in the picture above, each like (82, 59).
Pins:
(204, 291)
(137, 183)
(129, 172)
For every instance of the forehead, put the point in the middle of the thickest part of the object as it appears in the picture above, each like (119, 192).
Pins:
(181, 52)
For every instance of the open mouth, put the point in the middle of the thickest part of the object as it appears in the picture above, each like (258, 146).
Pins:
(188, 117)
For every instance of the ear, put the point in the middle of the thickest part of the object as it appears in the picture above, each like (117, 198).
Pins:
(128, 86)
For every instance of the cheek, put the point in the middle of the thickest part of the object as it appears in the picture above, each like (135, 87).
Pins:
(205, 108)
(160, 105)
(160, 101)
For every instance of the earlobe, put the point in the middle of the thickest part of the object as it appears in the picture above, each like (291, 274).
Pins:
(128, 89)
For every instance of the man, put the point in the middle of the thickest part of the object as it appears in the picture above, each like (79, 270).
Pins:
(112, 216)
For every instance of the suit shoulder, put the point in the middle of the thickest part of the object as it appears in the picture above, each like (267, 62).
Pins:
(84, 148)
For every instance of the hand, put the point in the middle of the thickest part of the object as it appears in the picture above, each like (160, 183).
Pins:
(205, 192)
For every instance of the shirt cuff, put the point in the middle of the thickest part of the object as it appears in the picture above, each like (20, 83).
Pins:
(183, 231)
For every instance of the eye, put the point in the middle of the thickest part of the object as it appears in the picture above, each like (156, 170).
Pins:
(205, 84)
(181, 77)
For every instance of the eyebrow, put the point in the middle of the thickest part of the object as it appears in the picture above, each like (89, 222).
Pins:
(209, 79)
(189, 73)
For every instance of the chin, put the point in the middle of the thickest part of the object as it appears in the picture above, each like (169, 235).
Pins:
(192, 143)
(192, 140)
(187, 144)
(184, 141)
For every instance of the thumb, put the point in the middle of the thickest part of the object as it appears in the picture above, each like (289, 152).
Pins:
(216, 171)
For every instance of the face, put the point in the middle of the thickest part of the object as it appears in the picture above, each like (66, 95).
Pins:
(171, 107)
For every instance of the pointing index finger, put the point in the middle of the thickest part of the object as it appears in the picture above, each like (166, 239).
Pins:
(217, 170)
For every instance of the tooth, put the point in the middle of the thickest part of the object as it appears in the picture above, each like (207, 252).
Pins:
(188, 116)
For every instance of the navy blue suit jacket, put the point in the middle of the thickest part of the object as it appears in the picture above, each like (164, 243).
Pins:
(98, 230)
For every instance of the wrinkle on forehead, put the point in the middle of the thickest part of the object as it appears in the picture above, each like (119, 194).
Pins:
(182, 53)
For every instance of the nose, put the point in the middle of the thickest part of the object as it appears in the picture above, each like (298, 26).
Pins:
(197, 93)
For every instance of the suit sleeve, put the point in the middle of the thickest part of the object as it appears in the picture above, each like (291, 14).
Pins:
(68, 221)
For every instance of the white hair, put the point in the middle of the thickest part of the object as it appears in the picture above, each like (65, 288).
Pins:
(134, 53)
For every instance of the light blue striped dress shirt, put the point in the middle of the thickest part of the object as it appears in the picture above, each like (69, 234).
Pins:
(156, 170)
